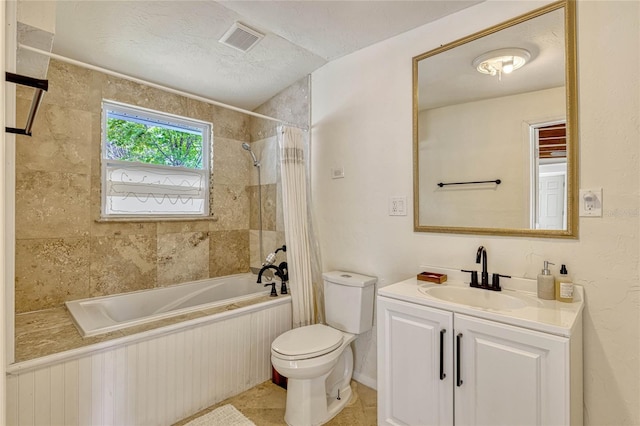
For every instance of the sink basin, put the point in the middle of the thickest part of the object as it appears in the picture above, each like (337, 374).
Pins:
(478, 298)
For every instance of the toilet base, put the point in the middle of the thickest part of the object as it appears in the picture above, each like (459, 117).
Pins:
(309, 405)
(313, 402)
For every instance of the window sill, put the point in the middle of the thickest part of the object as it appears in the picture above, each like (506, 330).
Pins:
(156, 219)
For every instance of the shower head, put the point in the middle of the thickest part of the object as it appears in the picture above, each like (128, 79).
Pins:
(247, 147)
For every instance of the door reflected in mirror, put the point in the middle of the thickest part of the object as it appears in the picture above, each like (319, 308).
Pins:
(549, 179)
(499, 105)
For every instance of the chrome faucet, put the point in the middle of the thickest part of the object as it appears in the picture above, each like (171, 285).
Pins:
(482, 252)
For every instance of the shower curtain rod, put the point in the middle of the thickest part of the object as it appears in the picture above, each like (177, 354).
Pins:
(154, 85)
(280, 129)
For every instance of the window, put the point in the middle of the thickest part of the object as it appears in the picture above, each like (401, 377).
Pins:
(153, 164)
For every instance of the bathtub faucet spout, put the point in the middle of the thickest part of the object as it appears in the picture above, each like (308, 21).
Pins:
(278, 273)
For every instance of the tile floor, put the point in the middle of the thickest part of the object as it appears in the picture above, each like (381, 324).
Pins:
(264, 405)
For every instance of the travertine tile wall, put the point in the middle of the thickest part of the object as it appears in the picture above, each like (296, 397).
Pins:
(290, 105)
(63, 253)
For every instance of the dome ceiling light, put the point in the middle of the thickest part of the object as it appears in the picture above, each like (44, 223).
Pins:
(501, 61)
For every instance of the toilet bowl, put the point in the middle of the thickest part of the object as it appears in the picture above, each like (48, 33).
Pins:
(317, 359)
(318, 362)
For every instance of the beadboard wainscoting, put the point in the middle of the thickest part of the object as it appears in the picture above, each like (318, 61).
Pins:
(150, 381)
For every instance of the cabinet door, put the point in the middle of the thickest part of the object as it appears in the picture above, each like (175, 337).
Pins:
(509, 375)
(415, 370)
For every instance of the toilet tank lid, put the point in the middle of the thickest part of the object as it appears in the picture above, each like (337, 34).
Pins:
(349, 278)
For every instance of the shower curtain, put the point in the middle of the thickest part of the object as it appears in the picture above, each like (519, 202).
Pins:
(302, 252)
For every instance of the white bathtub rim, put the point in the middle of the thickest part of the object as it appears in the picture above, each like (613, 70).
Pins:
(71, 354)
(75, 306)
(164, 315)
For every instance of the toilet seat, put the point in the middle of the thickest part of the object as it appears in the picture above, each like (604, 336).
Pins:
(307, 342)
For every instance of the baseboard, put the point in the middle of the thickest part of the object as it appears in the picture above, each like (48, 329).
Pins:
(365, 380)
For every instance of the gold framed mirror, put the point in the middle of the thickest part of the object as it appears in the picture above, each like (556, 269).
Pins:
(495, 130)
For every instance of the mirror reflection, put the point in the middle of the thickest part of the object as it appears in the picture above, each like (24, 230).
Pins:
(491, 147)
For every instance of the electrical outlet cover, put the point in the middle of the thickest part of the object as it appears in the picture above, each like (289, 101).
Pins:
(590, 202)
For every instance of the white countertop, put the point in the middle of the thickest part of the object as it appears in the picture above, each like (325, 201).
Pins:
(548, 316)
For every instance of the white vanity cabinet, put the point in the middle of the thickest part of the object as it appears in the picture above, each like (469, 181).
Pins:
(442, 367)
(411, 390)
(509, 375)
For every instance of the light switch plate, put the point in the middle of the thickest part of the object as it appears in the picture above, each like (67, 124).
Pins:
(590, 202)
(397, 206)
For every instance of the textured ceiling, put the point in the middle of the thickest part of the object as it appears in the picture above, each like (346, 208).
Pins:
(175, 43)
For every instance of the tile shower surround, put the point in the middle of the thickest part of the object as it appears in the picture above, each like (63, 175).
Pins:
(64, 253)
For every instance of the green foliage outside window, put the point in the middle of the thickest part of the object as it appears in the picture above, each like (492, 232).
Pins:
(132, 141)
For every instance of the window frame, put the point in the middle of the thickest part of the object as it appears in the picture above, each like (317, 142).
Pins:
(162, 118)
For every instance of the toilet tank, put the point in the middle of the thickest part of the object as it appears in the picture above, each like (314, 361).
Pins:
(348, 301)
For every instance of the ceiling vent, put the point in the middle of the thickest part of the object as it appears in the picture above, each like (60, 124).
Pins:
(241, 37)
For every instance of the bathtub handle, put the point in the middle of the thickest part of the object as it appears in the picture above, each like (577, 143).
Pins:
(285, 277)
(285, 271)
(273, 288)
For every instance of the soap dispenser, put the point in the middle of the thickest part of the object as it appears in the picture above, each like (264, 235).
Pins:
(564, 286)
(546, 283)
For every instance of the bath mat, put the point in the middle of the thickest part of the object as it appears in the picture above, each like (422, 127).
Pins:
(227, 415)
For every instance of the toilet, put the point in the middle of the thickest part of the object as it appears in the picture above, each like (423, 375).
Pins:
(317, 359)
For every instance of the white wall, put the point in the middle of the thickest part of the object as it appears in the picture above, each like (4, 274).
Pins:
(362, 120)
(38, 14)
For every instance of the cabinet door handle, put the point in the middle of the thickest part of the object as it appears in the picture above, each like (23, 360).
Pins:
(458, 349)
(442, 374)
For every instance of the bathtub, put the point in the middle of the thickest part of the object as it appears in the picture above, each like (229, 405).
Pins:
(100, 315)
(156, 376)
